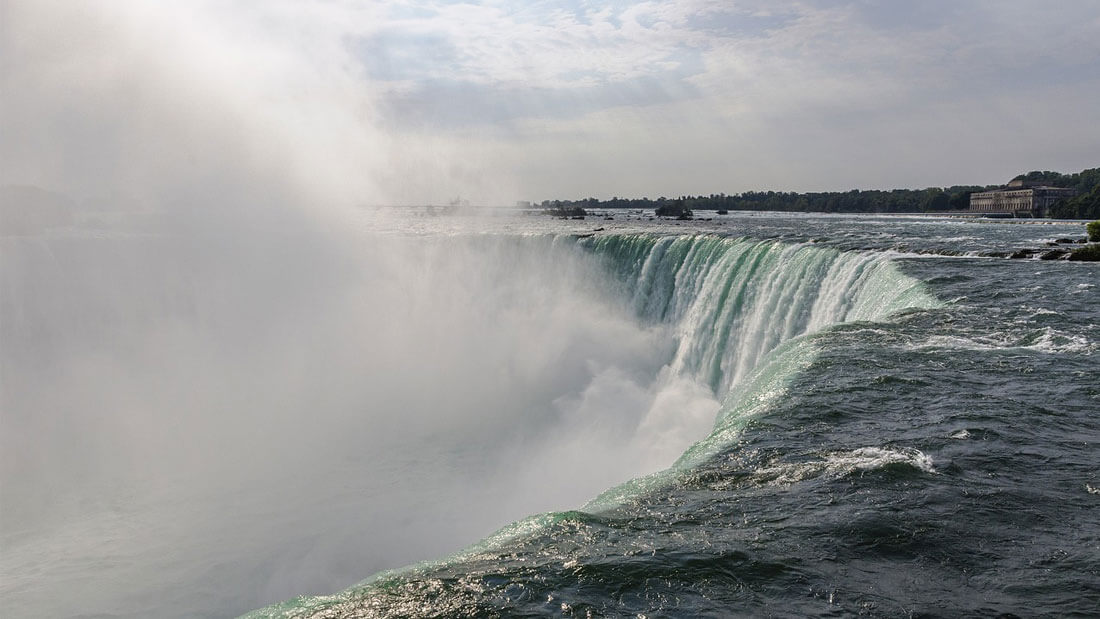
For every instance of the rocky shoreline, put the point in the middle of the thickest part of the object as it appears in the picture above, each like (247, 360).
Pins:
(1059, 249)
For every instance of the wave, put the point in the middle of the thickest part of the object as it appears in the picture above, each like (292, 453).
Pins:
(744, 313)
(844, 463)
(1045, 340)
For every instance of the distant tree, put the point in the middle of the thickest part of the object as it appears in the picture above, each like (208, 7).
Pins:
(1081, 206)
(932, 199)
(675, 209)
(1093, 228)
(1089, 253)
(1087, 180)
(1046, 177)
(567, 210)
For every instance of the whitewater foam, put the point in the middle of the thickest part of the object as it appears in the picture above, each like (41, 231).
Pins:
(1046, 340)
(841, 464)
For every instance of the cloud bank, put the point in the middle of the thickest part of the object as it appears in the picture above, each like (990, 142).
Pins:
(419, 101)
(652, 98)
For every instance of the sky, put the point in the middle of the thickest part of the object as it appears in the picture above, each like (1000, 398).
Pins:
(421, 101)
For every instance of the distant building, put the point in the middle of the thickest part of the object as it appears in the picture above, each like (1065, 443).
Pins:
(1019, 199)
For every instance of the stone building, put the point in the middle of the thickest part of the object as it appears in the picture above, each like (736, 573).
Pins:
(1019, 199)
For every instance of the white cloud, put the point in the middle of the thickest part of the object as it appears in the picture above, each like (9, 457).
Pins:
(418, 101)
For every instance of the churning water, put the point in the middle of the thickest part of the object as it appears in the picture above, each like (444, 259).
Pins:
(785, 415)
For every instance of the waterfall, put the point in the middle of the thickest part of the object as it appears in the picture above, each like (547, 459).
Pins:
(742, 313)
(732, 301)
(741, 310)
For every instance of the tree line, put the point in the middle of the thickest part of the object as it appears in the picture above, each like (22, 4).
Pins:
(1086, 205)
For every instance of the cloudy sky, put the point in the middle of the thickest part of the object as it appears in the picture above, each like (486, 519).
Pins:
(420, 101)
